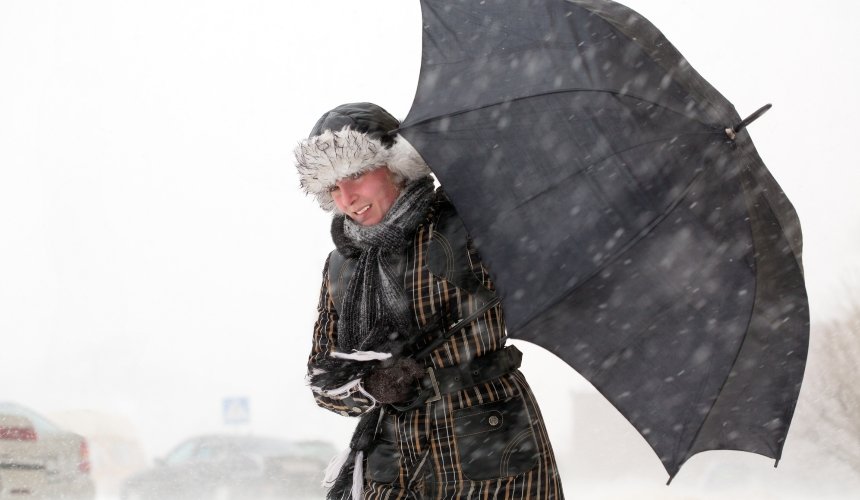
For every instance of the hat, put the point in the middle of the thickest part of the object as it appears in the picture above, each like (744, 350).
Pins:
(349, 140)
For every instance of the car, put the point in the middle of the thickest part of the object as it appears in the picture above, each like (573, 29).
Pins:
(232, 467)
(116, 451)
(39, 459)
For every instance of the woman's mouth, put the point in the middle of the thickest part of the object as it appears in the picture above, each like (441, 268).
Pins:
(364, 209)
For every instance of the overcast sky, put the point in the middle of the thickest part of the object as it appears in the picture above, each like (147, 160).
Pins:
(156, 255)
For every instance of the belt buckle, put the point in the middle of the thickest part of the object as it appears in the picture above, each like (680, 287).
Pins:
(436, 395)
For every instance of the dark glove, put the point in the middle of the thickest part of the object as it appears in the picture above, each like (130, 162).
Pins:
(394, 382)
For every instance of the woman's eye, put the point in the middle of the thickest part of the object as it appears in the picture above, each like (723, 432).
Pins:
(333, 188)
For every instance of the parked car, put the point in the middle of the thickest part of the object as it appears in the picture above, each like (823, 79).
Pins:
(232, 467)
(116, 451)
(38, 459)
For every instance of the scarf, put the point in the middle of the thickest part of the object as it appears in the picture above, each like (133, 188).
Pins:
(375, 308)
(375, 321)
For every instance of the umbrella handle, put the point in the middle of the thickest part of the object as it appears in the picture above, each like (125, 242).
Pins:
(732, 132)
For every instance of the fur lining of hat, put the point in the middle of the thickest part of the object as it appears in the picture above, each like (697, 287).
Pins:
(324, 159)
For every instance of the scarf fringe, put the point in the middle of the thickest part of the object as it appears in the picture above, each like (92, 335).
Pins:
(362, 355)
(368, 395)
(337, 391)
(358, 477)
(334, 467)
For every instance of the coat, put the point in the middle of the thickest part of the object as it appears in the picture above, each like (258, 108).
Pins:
(485, 441)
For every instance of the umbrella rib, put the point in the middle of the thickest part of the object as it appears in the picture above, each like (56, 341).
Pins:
(540, 94)
(557, 183)
(642, 234)
(777, 452)
(438, 19)
(778, 221)
(687, 454)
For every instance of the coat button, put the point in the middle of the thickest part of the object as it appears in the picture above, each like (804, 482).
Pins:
(493, 421)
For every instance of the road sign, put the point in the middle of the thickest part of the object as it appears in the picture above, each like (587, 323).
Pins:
(236, 411)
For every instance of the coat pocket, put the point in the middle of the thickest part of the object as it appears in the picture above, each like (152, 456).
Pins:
(383, 460)
(495, 439)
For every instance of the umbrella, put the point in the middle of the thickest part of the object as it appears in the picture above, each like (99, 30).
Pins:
(629, 224)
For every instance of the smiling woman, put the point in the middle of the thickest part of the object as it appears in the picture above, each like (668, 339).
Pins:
(410, 330)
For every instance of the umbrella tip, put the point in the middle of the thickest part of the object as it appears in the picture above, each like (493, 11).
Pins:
(671, 477)
(732, 132)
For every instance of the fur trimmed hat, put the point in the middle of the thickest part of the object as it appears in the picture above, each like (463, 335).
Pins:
(349, 140)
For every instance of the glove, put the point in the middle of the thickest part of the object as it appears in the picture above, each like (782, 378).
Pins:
(395, 382)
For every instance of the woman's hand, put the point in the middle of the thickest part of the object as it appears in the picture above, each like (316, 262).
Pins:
(395, 382)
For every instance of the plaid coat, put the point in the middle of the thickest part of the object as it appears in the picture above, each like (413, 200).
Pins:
(486, 441)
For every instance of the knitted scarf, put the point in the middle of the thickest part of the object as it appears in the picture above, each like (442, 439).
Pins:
(375, 319)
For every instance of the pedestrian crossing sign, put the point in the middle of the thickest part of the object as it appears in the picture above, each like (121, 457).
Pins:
(236, 411)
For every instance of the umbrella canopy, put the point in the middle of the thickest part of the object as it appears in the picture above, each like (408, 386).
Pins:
(626, 230)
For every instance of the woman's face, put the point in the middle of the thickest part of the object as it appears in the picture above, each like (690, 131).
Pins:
(367, 197)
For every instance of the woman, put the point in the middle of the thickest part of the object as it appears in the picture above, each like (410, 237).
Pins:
(410, 335)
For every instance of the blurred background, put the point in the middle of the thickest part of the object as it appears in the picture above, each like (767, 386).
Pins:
(159, 267)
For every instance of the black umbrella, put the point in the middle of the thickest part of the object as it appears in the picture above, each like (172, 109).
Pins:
(628, 221)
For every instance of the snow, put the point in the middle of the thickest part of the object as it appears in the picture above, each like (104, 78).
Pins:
(157, 255)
